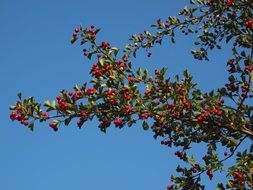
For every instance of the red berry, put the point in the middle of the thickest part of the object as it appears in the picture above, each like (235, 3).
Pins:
(249, 23)
(13, 115)
(229, 2)
(79, 123)
(77, 30)
(118, 122)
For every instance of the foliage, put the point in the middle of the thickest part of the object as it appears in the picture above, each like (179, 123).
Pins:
(181, 114)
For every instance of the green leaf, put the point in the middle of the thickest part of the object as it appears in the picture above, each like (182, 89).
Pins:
(115, 51)
(220, 187)
(56, 122)
(251, 77)
(139, 71)
(12, 107)
(89, 56)
(197, 112)
(67, 121)
(192, 1)
(243, 54)
(49, 104)
(231, 78)
(20, 95)
(145, 125)
(222, 91)
(76, 88)
(31, 126)
(83, 41)
(73, 40)
(191, 160)
(232, 142)
(172, 40)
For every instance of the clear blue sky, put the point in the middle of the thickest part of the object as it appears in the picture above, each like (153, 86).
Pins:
(37, 59)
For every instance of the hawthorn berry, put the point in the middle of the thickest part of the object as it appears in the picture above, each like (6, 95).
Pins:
(118, 122)
(249, 23)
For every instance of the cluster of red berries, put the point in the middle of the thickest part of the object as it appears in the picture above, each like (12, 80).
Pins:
(128, 109)
(105, 46)
(121, 65)
(17, 115)
(249, 68)
(145, 115)
(90, 91)
(62, 105)
(45, 115)
(180, 154)
(98, 72)
(131, 79)
(118, 122)
(110, 96)
(76, 96)
(83, 113)
(209, 172)
(229, 3)
(105, 122)
(202, 117)
(125, 93)
(109, 92)
(170, 106)
(239, 179)
(208, 112)
(91, 33)
(147, 92)
(249, 23)
(185, 102)
(173, 109)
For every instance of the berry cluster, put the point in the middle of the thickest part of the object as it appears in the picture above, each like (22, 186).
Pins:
(97, 71)
(229, 3)
(90, 91)
(19, 116)
(180, 154)
(118, 122)
(209, 172)
(62, 105)
(185, 102)
(105, 46)
(249, 23)
(145, 115)
(239, 179)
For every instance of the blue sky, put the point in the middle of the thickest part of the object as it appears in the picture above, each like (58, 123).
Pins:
(37, 59)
